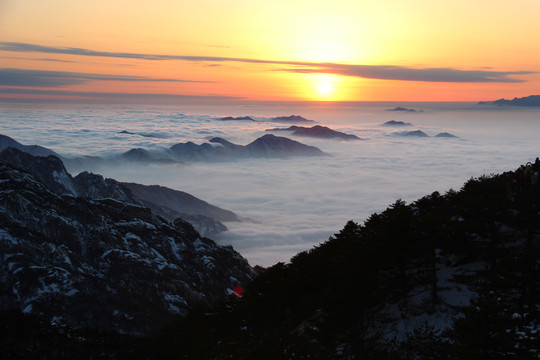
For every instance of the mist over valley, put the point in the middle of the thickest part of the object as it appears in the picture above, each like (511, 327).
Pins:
(288, 203)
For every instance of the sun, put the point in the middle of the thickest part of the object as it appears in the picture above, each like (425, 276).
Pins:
(325, 88)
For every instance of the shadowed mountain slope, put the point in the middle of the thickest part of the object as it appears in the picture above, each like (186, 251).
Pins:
(165, 202)
(449, 276)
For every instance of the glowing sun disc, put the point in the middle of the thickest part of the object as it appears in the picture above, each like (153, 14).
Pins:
(325, 88)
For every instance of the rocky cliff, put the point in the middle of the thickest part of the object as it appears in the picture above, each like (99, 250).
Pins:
(103, 263)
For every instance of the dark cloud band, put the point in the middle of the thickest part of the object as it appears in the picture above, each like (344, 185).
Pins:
(43, 78)
(414, 74)
(383, 72)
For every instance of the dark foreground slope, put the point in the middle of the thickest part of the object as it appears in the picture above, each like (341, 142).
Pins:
(449, 276)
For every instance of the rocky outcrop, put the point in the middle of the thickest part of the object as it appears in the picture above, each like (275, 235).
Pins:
(104, 263)
(179, 201)
(165, 202)
(172, 204)
(47, 169)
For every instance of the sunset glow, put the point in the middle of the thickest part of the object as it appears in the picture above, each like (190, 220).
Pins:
(243, 51)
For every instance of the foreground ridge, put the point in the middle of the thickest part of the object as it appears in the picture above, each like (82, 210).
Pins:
(449, 276)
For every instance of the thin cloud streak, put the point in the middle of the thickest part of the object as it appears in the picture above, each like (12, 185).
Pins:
(382, 72)
(43, 78)
(40, 59)
(91, 96)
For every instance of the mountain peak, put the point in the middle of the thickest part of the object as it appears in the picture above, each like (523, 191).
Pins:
(48, 169)
(270, 145)
(6, 141)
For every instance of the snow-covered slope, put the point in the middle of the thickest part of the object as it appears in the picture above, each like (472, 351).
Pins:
(104, 263)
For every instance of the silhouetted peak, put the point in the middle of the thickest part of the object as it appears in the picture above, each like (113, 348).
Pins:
(226, 143)
(396, 123)
(48, 169)
(240, 118)
(399, 108)
(292, 118)
(446, 135)
(6, 141)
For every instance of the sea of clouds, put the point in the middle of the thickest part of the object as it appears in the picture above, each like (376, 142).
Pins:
(290, 205)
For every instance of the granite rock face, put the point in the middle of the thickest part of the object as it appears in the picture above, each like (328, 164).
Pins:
(104, 263)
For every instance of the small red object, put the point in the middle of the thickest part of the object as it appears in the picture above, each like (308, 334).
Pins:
(238, 290)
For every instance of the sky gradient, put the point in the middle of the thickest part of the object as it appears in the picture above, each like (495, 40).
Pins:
(169, 51)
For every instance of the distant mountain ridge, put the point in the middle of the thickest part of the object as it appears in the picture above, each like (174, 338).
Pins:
(317, 131)
(396, 123)
(282, 119)
(421, 134)
(239, 118)
(218, 149)
(531, 100)
(292, 119)
(399, 108)
(51, 171)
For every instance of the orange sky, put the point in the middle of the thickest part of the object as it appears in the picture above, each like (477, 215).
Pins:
(217, 50)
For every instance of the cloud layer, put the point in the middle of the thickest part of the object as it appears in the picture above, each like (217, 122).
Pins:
(382, 72)
(296, 203)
